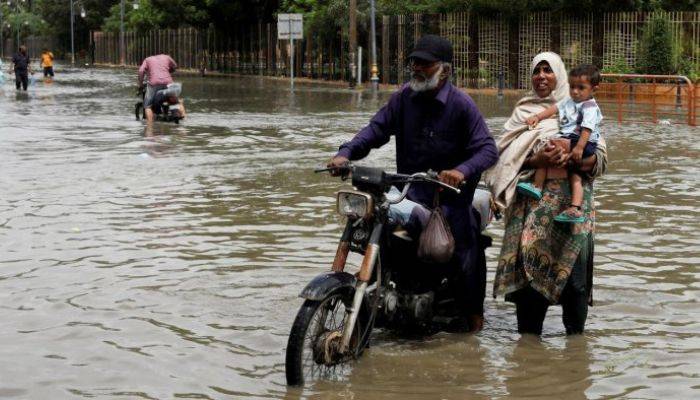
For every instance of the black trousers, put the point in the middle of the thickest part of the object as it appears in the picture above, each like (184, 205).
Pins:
(531, 307)
(21, 79)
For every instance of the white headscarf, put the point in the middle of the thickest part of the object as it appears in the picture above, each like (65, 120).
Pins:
(561, 91)
(531, 103)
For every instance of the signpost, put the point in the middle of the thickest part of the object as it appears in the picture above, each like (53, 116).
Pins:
(290, 27)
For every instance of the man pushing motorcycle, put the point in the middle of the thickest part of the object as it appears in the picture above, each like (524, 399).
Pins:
(158, 68)
(438, 127)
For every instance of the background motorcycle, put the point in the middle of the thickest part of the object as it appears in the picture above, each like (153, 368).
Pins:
(392, 289)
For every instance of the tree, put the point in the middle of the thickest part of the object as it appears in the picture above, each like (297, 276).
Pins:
(225, 15)
(656, 49)
(56, 13)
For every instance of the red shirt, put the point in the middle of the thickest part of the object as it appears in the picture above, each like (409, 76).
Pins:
(158, 68)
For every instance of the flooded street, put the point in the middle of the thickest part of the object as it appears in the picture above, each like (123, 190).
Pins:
(167, 264)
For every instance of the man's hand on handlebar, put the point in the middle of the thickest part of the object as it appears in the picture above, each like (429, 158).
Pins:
(337, 163)
(451, 177)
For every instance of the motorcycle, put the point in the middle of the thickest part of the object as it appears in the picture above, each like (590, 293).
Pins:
(392, 289)
(168, 112)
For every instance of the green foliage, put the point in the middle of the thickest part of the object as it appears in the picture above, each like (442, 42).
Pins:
(324, 17)
(657, 53)
(393, 7)
(226, 15)
(56, 17)
(619, 66)
(158, 14)
(23, 17)
(687, 68)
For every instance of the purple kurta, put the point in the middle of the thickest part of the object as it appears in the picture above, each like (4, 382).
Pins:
(442, 132)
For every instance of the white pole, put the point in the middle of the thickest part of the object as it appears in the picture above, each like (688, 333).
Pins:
(359, 65)
(291, 49)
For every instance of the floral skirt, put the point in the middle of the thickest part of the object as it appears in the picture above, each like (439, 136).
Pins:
(537, 250)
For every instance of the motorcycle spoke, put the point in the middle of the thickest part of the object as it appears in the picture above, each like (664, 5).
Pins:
(329, 317)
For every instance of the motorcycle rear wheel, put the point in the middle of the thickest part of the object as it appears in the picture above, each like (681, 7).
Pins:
(317, 320)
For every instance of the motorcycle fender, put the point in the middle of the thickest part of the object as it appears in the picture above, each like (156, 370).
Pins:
(327, 283)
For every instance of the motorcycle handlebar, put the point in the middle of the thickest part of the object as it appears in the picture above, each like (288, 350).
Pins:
(429, 176)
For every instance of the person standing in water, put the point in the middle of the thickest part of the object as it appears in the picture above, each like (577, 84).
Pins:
(22, 68)
(158, 68)
(47, 62)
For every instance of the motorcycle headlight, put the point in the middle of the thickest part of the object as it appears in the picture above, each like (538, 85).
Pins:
(354, 204)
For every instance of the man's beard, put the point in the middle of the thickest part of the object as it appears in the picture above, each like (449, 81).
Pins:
(427, 83)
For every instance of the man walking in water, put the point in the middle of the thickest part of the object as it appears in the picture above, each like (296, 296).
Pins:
(21, 67)
(158, 68)
(438, 127)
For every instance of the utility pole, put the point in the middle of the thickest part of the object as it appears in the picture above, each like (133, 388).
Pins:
(291, 54)
(2, 40)
(72, 38)
(353, 41)
(122, 49)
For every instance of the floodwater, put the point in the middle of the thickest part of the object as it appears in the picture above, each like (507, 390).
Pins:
(166, 264)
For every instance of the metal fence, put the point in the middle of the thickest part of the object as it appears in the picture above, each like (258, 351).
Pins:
(35, 45)
(489, 50)
(654, 98)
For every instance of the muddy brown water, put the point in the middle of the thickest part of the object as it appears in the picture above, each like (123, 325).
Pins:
(167, 264)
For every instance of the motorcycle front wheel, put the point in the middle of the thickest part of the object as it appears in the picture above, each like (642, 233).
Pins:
(315, 336)
(138, 111)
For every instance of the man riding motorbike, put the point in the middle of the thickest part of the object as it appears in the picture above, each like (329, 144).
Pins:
(438, 127)
(158, 68)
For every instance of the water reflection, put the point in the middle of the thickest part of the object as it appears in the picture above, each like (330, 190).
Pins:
(544, 371)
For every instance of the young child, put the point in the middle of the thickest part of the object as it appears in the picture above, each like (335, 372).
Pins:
(579, 119)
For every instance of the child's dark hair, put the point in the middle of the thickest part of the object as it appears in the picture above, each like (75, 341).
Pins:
(588, 70)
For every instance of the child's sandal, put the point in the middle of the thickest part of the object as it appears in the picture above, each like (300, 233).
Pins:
(572, 215)
(529, 190)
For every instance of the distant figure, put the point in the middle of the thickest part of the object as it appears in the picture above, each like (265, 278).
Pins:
(21, 67)
(47, 62)
(158, 68)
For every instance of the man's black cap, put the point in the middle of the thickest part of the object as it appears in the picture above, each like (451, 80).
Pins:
(432, 48)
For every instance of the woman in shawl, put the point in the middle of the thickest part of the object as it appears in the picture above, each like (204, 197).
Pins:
(543, 262)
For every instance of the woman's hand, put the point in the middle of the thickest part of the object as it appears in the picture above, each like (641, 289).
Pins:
(532, 121)
(549, 156)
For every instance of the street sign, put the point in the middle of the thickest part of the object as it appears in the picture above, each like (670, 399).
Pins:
(290, 27)
(287, 23)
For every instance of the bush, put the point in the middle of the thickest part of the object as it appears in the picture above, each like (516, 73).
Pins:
(657, 53)
(619, 66)
(689, 69)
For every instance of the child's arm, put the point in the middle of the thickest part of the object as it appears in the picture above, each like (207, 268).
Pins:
(535, 119)
(577, 152)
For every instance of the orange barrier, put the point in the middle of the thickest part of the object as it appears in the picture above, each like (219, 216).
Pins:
(632, 96)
